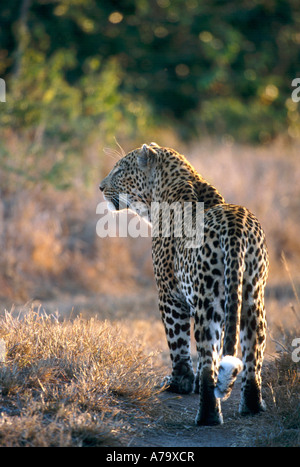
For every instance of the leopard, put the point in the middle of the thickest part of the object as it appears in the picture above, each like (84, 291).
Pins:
(213, 288)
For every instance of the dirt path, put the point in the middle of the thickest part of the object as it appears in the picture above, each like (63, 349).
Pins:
(177, 429)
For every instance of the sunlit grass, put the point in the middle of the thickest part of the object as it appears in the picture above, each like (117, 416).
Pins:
(80, 382)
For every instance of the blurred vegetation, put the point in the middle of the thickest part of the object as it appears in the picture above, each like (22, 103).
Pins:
(80, 71)
(211, 67)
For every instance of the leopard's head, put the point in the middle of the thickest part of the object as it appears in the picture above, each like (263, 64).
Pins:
(129, 184)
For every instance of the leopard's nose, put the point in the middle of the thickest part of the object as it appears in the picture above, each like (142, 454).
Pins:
(103, 184)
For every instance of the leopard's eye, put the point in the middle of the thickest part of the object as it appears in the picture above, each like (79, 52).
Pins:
(118, 171)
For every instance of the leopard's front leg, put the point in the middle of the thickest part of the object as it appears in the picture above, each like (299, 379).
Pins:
(176, 318)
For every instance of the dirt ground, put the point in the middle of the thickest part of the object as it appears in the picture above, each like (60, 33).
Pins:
(181, 431)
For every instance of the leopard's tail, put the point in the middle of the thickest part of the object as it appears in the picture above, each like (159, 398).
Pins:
(230, 366)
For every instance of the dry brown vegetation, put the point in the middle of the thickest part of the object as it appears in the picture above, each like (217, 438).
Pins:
(282, 389)
(71, 380)
(72, 383)
(86, 382)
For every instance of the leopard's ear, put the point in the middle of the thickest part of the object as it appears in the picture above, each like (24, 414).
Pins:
(146, 157)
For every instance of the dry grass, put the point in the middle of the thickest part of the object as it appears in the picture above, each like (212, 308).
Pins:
(76, 383)
(281, 379)
(282, 394)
